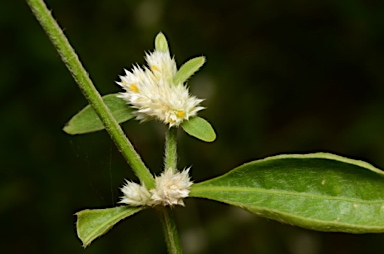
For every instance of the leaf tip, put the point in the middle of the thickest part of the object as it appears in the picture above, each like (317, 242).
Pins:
(161, 43)
(203, 59)
(67, 129)
(212, 138)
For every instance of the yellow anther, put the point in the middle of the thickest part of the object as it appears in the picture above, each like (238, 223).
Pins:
(134, 88)
(154, 68)
(180, 113)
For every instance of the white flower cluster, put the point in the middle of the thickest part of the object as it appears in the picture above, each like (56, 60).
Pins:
(135, 194)
(170, 190)
(152, 92)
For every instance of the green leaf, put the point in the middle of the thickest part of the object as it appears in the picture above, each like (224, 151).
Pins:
(317, 191)
(199, 128)
(161, 43)
(188, 69)
(96, 222)
(87, 120)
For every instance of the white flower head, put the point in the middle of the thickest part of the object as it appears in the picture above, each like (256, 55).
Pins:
(171, 188)
(135, 194)
(155, 93)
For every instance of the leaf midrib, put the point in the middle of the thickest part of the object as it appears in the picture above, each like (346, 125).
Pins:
(286, 193)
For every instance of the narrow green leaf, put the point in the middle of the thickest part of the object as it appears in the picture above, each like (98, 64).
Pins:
(199, 128)
(161, 43)
(317, 191)
(188, 69)
(87, 120)
(94, 223)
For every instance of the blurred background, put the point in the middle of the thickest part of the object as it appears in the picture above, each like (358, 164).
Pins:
(281, 77)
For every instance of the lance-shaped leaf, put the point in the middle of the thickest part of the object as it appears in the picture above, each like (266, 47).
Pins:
(317, 191)
(188, 69)
(96, 222)
(88, 121)
(200, 128)
(161, 43)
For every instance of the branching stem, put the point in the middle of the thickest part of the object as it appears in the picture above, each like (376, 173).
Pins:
(166, 214)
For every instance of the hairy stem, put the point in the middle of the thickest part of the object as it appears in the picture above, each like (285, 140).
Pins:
(170, 160)
(81, 77)
(166, 213)
(170, 230)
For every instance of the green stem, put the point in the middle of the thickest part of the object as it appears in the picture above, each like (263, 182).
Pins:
(78, 72)
(170, 160)
(170, 230)
(166, 213)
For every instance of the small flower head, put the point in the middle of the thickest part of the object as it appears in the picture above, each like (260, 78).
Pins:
(135, 194)
(153, 92)
(171, 188)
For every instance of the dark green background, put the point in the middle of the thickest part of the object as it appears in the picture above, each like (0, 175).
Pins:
(281, 77)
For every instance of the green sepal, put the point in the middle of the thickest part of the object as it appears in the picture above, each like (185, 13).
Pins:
(319, 191)
(87, 120)
(94, 223)
(161, 43)
(188, 69)
(199, 128)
